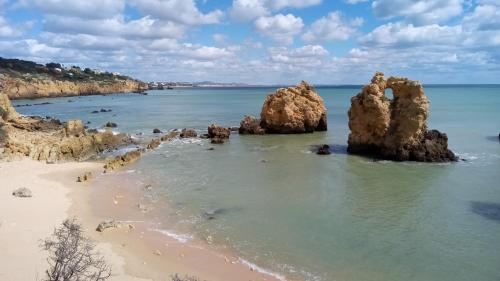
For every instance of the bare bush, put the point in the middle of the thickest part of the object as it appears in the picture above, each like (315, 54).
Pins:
(72, 256)
(176, 277)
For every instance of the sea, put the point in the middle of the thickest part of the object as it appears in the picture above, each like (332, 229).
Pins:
(301, 216)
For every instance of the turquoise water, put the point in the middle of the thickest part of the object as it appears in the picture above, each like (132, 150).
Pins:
(336, 217)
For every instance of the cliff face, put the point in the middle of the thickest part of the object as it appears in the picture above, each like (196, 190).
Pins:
(29, 80)
(294, 110)
(395, 129)
(16, 88)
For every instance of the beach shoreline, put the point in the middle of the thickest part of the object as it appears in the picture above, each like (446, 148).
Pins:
(135, 251)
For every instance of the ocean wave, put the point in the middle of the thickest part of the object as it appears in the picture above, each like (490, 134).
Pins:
(262, 270)
(182, 238)
(180, 141)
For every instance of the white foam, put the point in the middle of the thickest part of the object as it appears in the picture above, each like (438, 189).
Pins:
(183, 238)
(262, 270)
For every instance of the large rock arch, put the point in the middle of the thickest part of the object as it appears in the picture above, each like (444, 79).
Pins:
(395, 129)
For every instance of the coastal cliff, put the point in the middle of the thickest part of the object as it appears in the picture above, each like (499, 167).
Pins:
(29, 80)
(395, 129)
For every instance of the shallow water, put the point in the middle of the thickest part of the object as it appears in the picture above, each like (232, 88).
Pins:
(336, 217)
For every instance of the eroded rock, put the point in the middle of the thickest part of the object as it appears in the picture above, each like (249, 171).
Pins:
(122, 160)
(395, 129)
(216, 131)
(294, 110)
(188, 133)
(251, 125)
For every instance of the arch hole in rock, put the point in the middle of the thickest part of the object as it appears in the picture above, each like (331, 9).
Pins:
(388, 93)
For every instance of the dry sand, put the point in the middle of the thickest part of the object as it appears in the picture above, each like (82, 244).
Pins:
(134, 254)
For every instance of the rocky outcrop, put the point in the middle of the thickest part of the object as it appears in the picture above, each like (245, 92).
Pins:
(323, 149)
(395, 129)
(294, 110)
(51, 140)
(48, 87)
(122, 160)
(188, 133)
(251, 125)
(75, 128)
(218, 134)
(216, 131)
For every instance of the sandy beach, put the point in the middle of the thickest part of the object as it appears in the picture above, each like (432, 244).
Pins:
(134, 252)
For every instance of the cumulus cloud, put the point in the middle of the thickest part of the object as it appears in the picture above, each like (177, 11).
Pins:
(306, 55)
(246, 10)
(419, 12)
(281, 28)
(400, 35)
(83, 9)
(181, 11)
(145, 27)
(333, 27)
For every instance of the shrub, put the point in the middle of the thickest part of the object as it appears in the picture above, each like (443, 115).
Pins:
(72, 256)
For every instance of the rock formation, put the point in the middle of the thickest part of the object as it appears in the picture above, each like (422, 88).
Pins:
(216, 131)
(188, 133)
(122, 160)
(251, 125)
(294, 110)
(395, 129)
(50, 140)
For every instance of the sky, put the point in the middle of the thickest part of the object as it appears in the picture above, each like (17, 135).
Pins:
(261, 41)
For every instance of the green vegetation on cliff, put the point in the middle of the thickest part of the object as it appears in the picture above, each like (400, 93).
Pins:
(26, 79)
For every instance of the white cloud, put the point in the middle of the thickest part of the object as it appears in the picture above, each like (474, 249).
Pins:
(181, 11)
(281, 28)
(280, 4)
(333, 27)
(6, 30)
(306, 55)
(191, 51)
(246, 10)
(401, 35)
(419, 12)
(145, 27)
(83, 9)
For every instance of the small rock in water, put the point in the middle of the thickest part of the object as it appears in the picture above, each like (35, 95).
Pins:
(211, 148)
(22, 192)
(323, 149)
(157, 131)
(188, 133)
(111, 125)
(148, 187)
(95, 112)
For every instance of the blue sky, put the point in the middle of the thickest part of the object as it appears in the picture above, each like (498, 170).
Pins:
(261, 41)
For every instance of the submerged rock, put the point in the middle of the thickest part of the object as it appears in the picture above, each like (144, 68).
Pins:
(153, 144)
(22, 192)
(294, 110)
(323, 149)
(251, 125)
(395, 129)
(111, 125)
(188, 133)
